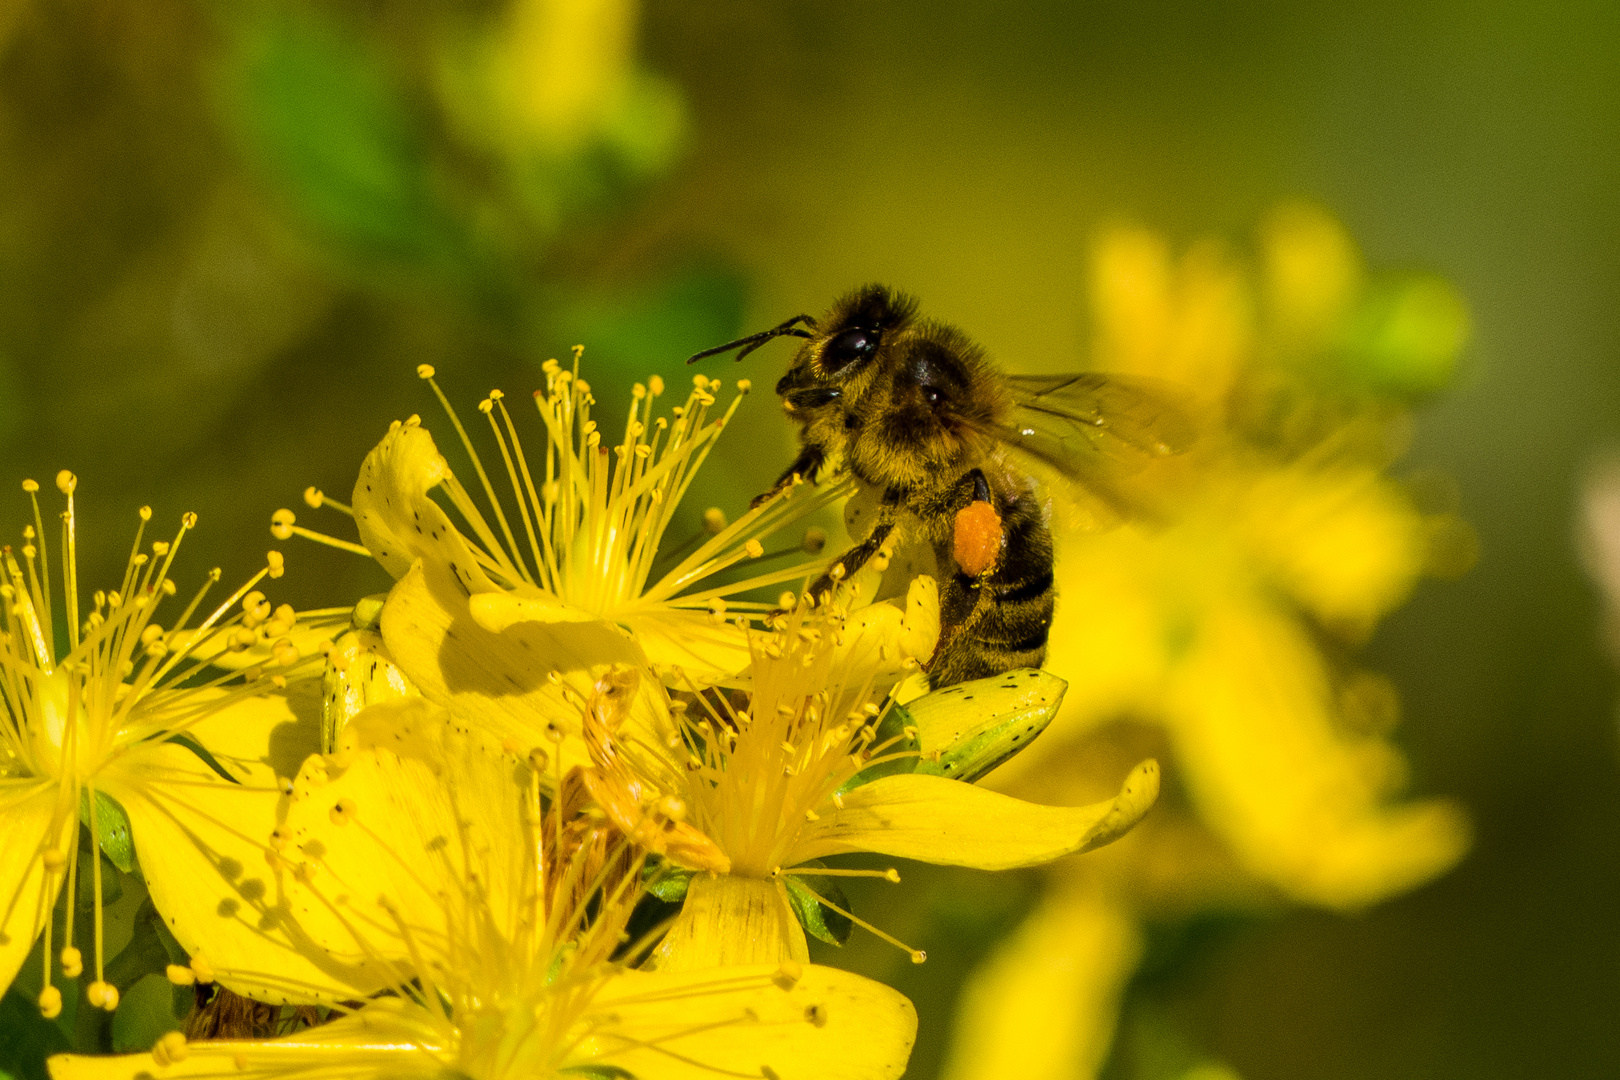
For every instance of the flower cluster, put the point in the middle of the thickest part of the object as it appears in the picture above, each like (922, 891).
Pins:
(555, 805)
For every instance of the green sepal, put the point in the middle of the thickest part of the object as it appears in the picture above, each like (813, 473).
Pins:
(112, 827)
(819, 921)
(666, 882)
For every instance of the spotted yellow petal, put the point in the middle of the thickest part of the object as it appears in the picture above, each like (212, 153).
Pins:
(27, 890)
(935, 820)
(830, 1025)
(398, 522)
(383, 836)
(204, 845)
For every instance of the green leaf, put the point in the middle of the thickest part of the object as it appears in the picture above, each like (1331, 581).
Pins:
(819, 921)
(112, 827)
(145, 1012)
(27, 1038)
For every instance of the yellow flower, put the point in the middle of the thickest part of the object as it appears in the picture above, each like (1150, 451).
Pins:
(494, 618)
(417, 856)
(774, 786)
(126, 728)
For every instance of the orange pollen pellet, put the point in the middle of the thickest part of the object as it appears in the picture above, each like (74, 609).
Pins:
(978, 538)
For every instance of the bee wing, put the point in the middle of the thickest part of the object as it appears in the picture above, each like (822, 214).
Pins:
(1083, 434)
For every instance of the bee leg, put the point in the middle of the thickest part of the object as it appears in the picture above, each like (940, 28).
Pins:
(807, 464)
(850, 562)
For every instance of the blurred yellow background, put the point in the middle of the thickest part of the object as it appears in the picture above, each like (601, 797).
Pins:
(230, 231)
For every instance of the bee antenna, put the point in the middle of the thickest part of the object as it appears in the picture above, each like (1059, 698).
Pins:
(748, 344)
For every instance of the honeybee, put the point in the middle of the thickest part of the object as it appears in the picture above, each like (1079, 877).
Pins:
(948, 448)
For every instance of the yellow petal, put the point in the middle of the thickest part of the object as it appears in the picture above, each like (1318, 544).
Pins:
(1045, 1004)
(732, 920)
(205, 851)
(882, 643)
(27, 892)
(501, 682)
(705, 651)
(830, 1025)
(935, 820)
(1299, 803)
(498, 611)
(397, 520)
(276, 729)
(413, 814)
(383, 1039)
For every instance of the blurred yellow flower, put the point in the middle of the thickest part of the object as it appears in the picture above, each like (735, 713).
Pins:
(1279, 533)
(415, 856)
(1280, 526)
(129, 730)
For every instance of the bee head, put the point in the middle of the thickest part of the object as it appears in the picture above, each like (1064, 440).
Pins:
(836, 363)
(934, 391)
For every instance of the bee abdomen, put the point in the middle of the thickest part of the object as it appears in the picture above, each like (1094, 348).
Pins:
(1010, 611)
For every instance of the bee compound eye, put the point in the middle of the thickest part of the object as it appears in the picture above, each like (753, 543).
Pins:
(847, 346)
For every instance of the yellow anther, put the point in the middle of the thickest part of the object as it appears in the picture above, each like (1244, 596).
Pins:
(145, 513)
(243, 638)
(170, 1049)
(700, 381)
(50, 998)
(169, 587)
(838, 799)
(66, 482)
(72, 962)
(891, 874)
(788, 974)
(180, 976)
(54, 861)
(637, 391)
(189, 519)
(424, 371)
(918, 956)
(160, 548)
(539, 759)
(281, 523)
(754, 548)
(744, 385)
(30, 486)
(496, 395)
(151, 634)
(201, 968)
(655, 385)
(102, 994)
(343, 812)
(786, 600)
(811, 815)
(486, 406)
(284, 652)
(672, 807)
(314, 497)
(277, 564)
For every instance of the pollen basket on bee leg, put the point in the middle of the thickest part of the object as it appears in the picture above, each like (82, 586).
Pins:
(977, 538)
